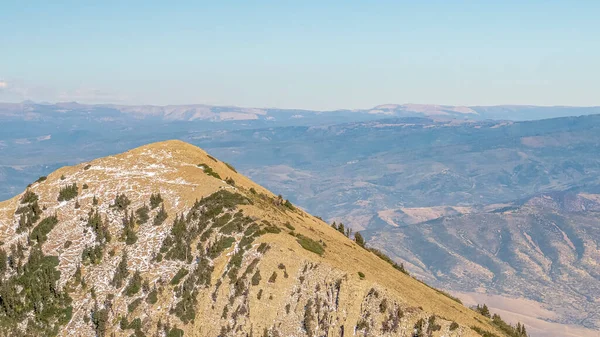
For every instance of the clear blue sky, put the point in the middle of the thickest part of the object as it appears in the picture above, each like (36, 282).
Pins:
(301, 54)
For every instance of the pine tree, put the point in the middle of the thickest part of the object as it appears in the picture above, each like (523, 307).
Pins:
(121, 273)
(135, 283)
(358, 238)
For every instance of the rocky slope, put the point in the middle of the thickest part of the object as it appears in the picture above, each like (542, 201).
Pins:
(154, 242)
(544, 248)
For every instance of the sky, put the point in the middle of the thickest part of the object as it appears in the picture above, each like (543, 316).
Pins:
(305, 54)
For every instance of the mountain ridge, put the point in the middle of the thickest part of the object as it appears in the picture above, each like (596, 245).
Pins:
(204, 112)
(79, 208)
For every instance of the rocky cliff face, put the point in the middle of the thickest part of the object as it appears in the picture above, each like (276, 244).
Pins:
(165, 240)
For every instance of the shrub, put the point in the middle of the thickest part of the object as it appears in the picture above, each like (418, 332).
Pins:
(218, 247)
(230, 167)
(155, 200)
(160, 217)
(273, 277)
(121, 202)
(211, 158)
(453, 326)
(256, 278)
(175, 332)
(87, 167)
(482, 332)
(152, 297)
(136, 324)
(361, 275)
(230, 181)
(40, 179)
(180, 274)
(121, 273)
(85, 187)
(289, 226)
(358, 238)
(432, 325)
(289, 205)
(68, 192)
(208, 170)
(135, 283)
(133, 305)
(310, 244)
(387, 259)
(263, 247)
(40, 232)
(309, 321)
(142, 214)
(29, 197)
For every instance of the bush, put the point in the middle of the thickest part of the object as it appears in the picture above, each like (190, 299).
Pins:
(121, 202)
(358, 238)
(121, 273)
(142, 214)
(482, 332)
(256, 278)
(133, 305)
(85, 187)
(175, 332)
(40, 179)
(218, 247)
(387, 259)
(160, 217)
(152, 297)
(273, 277)
(361, 275)
(289, 226)
(29, 197)
(68, 192)
(230, 167)
(289, 205)
(310, 244)
(155, 200)
(453, 326)
(40, 232)
(180, 274)
(136, 324)
(208, 170)
(135, 283)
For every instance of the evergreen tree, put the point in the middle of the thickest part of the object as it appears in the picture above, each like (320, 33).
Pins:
(135, 283)
(121, 273)
(358, 238)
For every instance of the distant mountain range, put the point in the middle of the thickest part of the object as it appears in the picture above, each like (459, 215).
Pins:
(198, 112)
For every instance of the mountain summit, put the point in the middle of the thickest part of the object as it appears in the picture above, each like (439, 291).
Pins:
(165, 240)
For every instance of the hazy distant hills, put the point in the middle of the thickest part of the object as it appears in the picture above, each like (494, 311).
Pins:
(32, 111)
